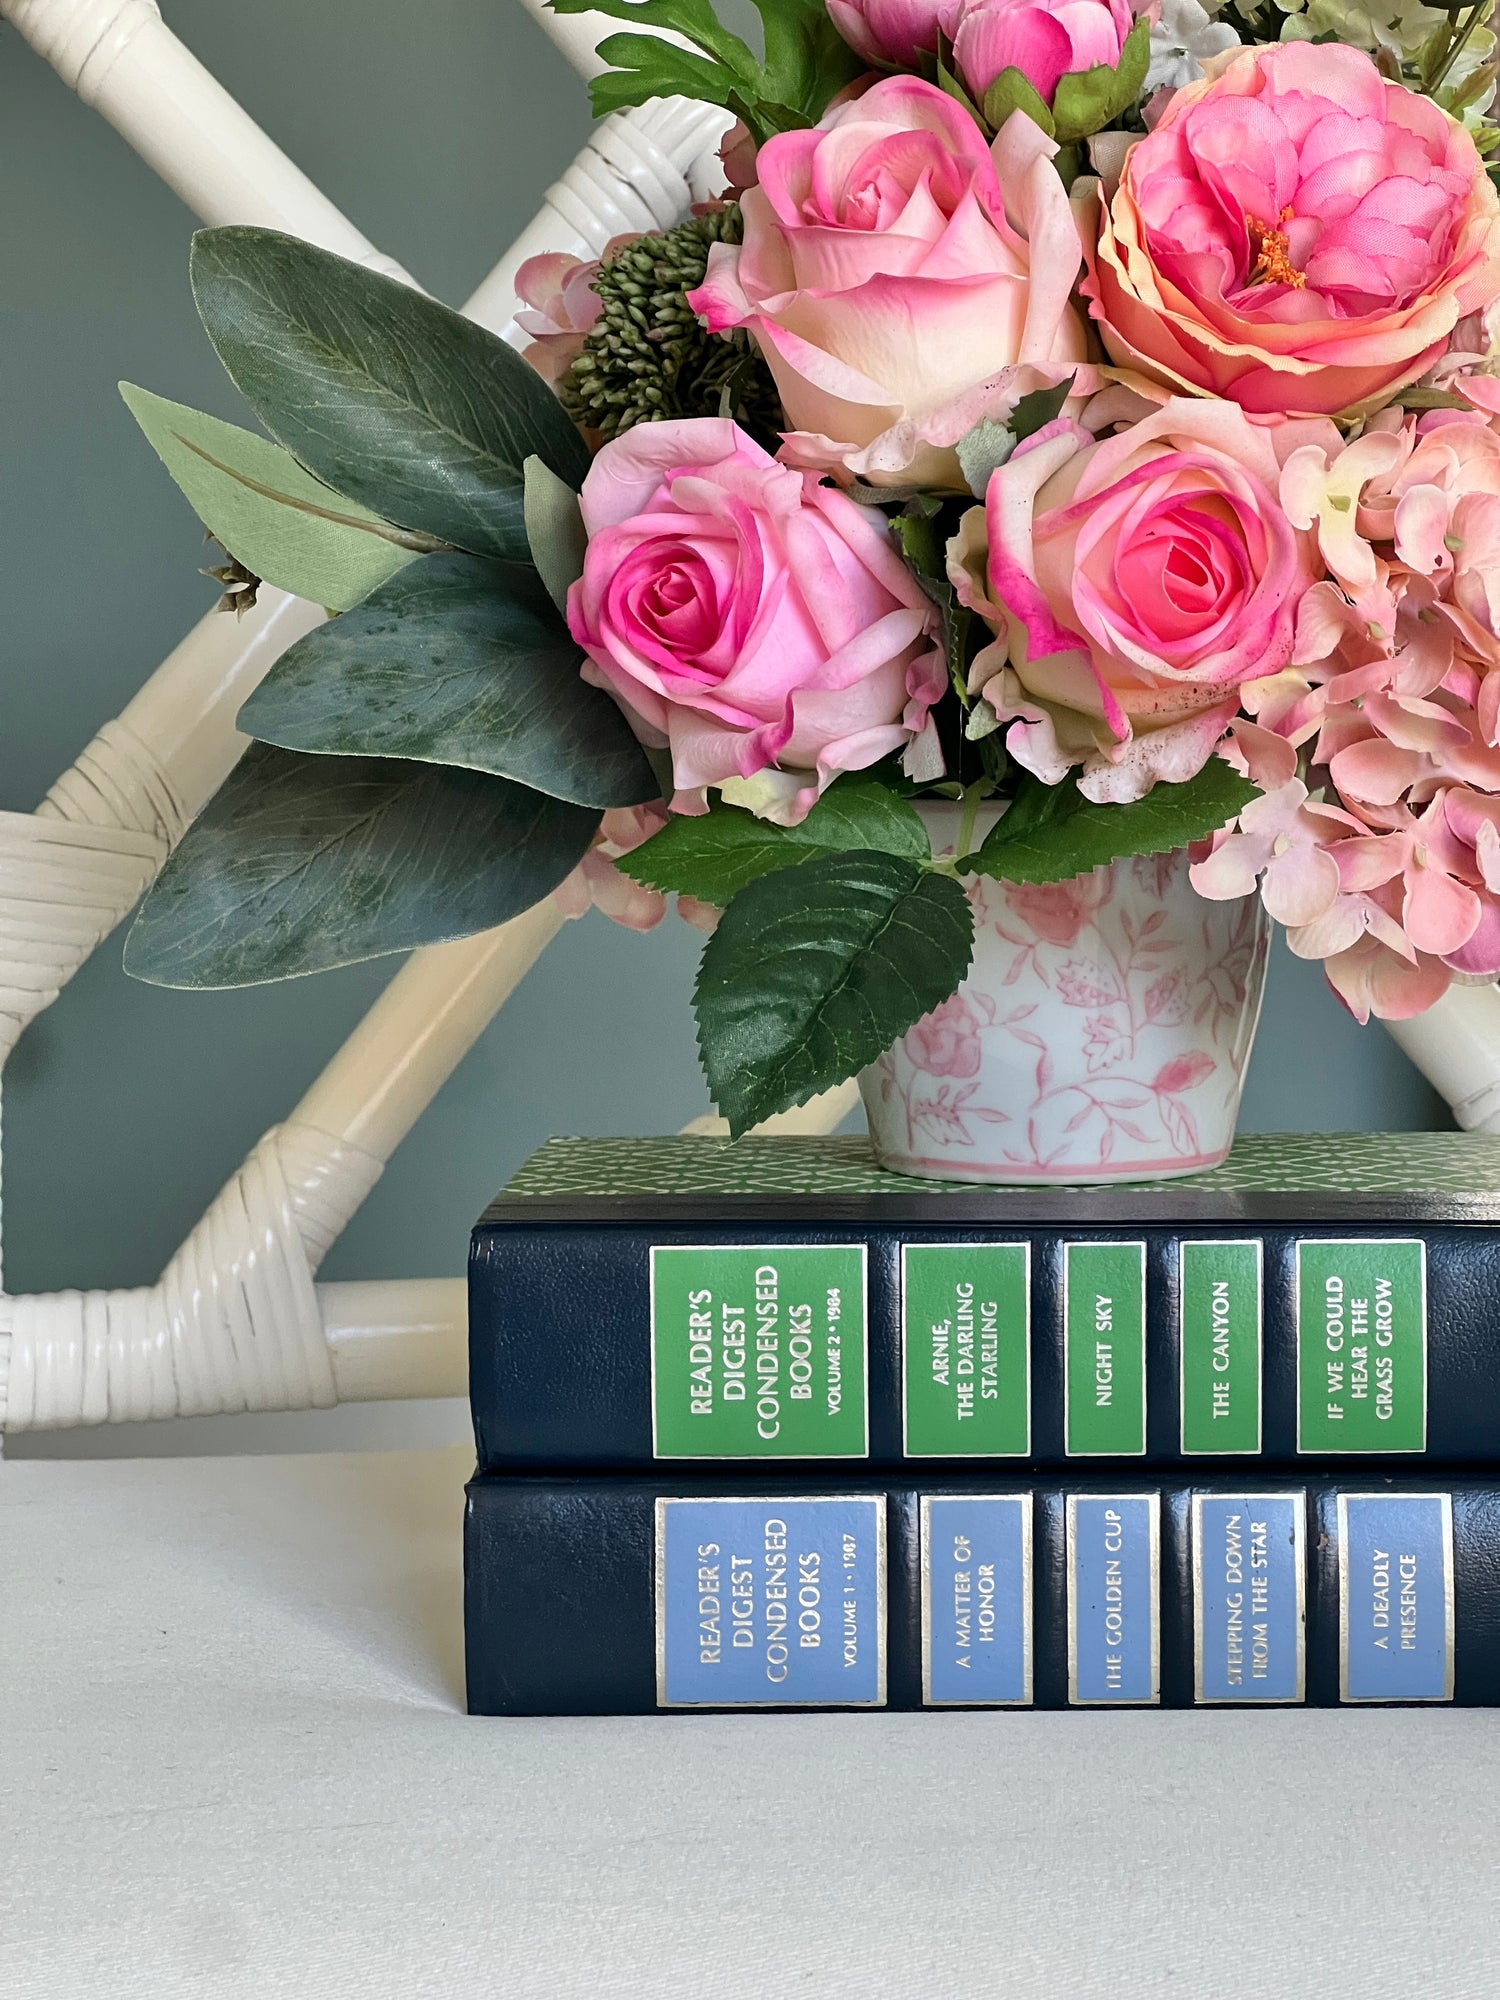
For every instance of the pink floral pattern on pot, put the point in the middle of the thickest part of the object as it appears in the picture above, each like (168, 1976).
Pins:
(1102, 1034)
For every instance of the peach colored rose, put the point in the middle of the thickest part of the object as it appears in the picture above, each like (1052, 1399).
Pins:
(1296, 234)
(1135, 583)
(886, 276)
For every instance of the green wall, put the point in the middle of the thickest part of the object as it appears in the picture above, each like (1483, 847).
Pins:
(436, 128)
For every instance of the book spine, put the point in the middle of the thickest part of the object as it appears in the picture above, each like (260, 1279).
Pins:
(617, 1346)
(619, 1596)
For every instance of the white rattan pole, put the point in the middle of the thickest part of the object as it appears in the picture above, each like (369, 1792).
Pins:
(639, 171)
(401, 1337)
(236, 1321)
(426, 1020)
(123, 59)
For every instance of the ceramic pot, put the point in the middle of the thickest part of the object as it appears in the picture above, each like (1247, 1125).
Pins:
(1102, 1033)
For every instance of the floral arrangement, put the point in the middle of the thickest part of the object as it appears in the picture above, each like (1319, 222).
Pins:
(1082, 411)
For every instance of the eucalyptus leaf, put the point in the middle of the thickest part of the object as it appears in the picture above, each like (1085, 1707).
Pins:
(298, 864)
(982, 451)
(814, 971)
(381, 392)
(554, 530)
(713, 855)
(270, 515)
(1050, 833)
(455, 661)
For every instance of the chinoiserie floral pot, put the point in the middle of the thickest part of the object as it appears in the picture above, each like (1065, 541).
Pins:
(1102, 1033)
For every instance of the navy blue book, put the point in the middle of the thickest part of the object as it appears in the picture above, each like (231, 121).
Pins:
(619, 1596)
(634, 1302)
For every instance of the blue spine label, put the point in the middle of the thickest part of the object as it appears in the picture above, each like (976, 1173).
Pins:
(1249, 1596)
(976, 1600)
(1114, 1555)
(1395, 1596)
(772, 1603)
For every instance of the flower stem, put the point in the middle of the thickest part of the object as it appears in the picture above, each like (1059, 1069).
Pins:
(972, 795)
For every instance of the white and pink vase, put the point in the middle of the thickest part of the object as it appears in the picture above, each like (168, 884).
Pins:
(1102, 1033)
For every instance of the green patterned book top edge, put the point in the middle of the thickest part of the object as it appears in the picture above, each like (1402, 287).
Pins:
(1346, 1163)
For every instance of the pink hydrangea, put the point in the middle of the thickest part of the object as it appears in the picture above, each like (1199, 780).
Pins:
(1390, 706)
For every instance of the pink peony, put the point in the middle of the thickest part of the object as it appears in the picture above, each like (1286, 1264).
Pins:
(884, 276)
(1045, 43)
(1296, 234)
(946, 1041)
(1135, 584)
(890, 33)
(760, 626)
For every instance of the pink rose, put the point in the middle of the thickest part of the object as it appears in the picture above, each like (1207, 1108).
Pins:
(890, 33)
(946, 1041)
(1135, 583)
(760, 626)
(1296, 234)
(1045, 43)
(884, 275)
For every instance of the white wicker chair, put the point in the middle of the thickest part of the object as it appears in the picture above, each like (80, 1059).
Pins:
(237, 1321)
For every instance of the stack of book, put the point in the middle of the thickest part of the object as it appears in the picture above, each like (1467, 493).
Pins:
(762, 1426)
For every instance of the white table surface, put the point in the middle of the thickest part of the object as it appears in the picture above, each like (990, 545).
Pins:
(233, 1761)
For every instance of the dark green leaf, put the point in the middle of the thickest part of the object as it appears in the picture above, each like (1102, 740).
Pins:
(814, 971)
(302, 863)
(1051, 833)
(807, 60)
(386, 395)
(1039, 408)
(455, 661)
(268, 513)
(643, 69)
(554, 530)
(713, 856)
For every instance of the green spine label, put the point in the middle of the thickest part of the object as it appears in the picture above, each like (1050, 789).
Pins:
(758, 1350)
(1104, 1337)
(1219, 1303)
(966, 1349)
(1362, 1344)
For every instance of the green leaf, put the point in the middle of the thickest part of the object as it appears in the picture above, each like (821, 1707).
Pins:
(1052, 832)
(807, 60)
(385, 395)
(554, 530)
(1038, 409)
(302, 863)
(712, 856)
(814, 971)
(270, 515)
(455, 661)
(1013, 91)
(1085, 101)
